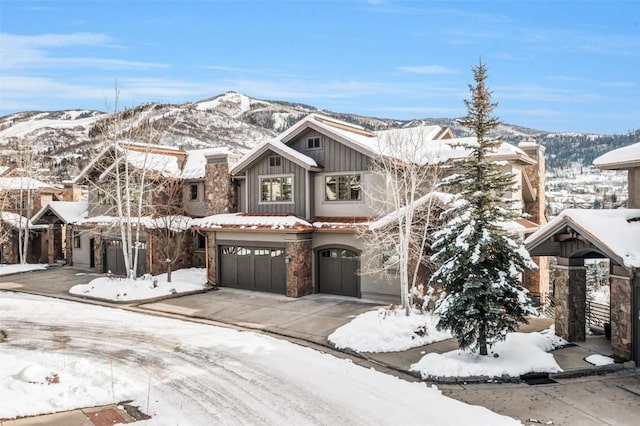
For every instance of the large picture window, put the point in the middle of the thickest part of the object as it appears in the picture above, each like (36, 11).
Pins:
(343, 188)
(275, 189)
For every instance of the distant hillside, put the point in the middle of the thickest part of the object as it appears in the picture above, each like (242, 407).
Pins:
(67, 139)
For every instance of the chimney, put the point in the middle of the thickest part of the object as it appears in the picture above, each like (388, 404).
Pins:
(71, 191)
(219, 189)
(536, 175)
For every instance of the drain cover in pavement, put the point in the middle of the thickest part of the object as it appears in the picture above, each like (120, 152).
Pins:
(537, 379)
(106, 417)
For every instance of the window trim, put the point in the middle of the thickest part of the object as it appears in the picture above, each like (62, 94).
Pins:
(200, 238)
(288, 175)
(77, 241)
(275, 161)
(313, 138)
(350, 201)
(197, 197)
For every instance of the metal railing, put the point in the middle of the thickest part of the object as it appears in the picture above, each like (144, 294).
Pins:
(597, 314)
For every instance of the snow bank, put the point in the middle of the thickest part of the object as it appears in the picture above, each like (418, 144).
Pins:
(14, 269)
(520, 353)
(44, 382)
(387, 331)
(147, 287)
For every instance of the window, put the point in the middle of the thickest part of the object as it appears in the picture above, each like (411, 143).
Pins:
(343, 188)
(314, 143)
(193, 191)
(276, 189)
(275, 161)
(103, 198)
(201, 242)
(76, 241)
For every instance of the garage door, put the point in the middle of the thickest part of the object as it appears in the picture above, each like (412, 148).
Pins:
(114, 258)
(253, 268)
(337, 272)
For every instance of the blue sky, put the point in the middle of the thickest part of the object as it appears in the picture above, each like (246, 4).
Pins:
(558, 66)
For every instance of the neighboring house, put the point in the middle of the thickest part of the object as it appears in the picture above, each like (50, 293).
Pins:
(59, 217)
(185, 183)
(20, 199)
(11, 224)
(302, 196)
(576, 235)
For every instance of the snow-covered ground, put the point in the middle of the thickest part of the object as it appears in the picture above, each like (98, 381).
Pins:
(60, 355)
(14, 269)
(146, 287)
(519, 353)
(387, 330)
(597, 359)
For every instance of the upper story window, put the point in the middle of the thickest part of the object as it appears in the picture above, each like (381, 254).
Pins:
(314, 143)
(276, 189)
(343, 188)
(193, 191)
(275, 161)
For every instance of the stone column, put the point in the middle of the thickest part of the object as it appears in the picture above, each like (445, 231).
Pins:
(97, 252)
(621, 315)
(212, 259)
(51, 245)
(571, 297)
(68, 249)
(299, 275)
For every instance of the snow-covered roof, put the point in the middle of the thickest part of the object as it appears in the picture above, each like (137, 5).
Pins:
(175, 223)
(430, 147)
(14, 183)
(163, 164)
(67, 211)
(614, 232)
(194, 165)
(19, 222)
(278, 147)
(619, 159)
(250, 221)
(3, 170)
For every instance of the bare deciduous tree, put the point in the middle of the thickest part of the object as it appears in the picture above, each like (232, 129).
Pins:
(404, 199)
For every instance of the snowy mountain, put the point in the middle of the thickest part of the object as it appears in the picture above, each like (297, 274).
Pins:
(66, 139)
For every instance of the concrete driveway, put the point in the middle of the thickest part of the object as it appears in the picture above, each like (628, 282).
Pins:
(49, 282)
(310, 318)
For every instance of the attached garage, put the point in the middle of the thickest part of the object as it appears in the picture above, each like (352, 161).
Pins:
(114, 258)
(338, 271)
(253, 268)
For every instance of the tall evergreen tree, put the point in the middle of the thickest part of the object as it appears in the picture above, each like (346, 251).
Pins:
(481, 260)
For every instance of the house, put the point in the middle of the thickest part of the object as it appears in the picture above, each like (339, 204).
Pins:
(575, 235)
(176, 186)
(302, 197)
(20, 198)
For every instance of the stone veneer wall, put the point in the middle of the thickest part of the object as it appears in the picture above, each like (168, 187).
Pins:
(156, 257)
(219, 190)
(10, 249)
(68, 250)
(299, 272)
(212, 265)
(570, 294)
(621, 320)
(537, 281)
(98, 253)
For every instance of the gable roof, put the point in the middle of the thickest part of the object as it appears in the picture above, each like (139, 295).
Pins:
(17, 221)
(623, 158)
(615, 233)
(66, 211)
(437, 144)
(277, 147)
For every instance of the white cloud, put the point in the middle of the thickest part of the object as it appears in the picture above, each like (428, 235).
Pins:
(427, 69)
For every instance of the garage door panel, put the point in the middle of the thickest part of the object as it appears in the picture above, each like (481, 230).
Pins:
(337, 272)
(253, 268)
(228, 266)
(262, 272)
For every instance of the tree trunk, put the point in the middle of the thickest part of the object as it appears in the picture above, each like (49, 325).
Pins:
(482, 342)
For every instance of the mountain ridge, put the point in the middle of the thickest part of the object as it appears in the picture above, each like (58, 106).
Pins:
(66, 138)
